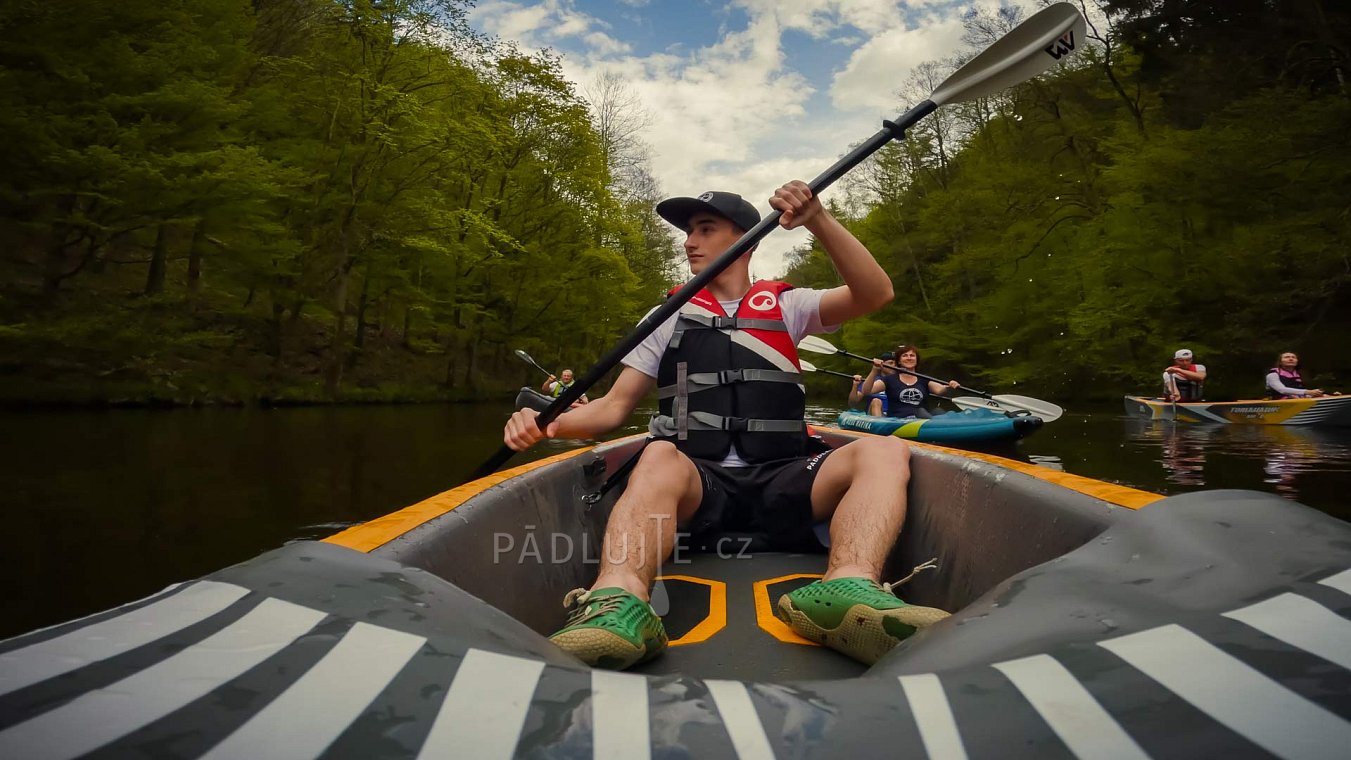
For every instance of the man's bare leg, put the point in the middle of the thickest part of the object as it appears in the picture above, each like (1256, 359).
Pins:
(664, 489)
(862, 485)
(861, 490)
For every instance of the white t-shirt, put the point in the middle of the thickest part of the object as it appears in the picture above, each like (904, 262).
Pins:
(801, 308)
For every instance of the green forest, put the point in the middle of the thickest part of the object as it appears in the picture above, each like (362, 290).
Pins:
(279, 201)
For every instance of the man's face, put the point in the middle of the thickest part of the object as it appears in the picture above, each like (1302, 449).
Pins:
(567, 376)
(707, 238)
(1182, 361)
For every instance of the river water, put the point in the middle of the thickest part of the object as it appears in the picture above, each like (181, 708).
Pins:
(104, 507)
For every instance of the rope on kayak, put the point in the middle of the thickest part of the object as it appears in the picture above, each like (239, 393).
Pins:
(930, 565)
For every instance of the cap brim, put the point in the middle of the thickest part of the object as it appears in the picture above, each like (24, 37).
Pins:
(678, 211)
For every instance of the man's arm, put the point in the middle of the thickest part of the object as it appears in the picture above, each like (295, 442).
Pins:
(866, 287)
(600, 416)
(1196, 376)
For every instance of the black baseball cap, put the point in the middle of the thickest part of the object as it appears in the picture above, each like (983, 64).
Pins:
(888, 356)
(731, 206)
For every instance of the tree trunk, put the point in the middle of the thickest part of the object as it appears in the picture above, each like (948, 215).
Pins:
(154, 281)
(333, 379)
(195, 257)
(274, 331)
(359, 340)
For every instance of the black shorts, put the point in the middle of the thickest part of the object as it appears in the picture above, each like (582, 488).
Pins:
(771, 503)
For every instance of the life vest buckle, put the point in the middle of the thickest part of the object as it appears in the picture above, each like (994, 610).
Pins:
(734, 424)
(729, 376)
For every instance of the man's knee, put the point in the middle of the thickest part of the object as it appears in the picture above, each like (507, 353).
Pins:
(885, 446)
(882, 452)
(661, 461)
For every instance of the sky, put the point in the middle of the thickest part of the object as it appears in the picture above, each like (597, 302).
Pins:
(743, 95)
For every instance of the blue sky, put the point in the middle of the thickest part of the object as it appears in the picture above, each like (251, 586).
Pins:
(743, 95)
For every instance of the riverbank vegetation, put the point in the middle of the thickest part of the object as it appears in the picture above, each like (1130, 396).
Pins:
(299, 200)
(1183, 181)
(220, 200)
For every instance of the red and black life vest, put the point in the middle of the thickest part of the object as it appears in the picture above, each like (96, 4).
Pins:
(1188, 389)
(732, 380)
(1290, 378)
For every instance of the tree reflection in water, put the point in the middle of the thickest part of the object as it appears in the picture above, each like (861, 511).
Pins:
(1285, 452)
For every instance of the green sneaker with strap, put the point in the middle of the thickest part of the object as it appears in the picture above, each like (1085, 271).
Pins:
(610, 628)
(855, 616)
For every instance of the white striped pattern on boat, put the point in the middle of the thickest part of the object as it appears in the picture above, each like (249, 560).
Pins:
(99, 641)
(933, 716)
(485, 706)
(619, 716)
(738, 715)
(322, 703)
(1234, 693)
(1301, 623)
(490, 695)
(1067, 707)
(103, 715)
(1341, 581)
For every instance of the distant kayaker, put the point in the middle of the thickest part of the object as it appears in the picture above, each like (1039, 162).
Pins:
(1284, 380)
(730, 449)
(870, 388)
(906, 394)
(1184, 380)
(555, 386)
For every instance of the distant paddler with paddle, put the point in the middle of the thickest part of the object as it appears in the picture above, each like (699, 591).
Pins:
(1008, 403)
(721, 354)
(906, 393)
(556, 385)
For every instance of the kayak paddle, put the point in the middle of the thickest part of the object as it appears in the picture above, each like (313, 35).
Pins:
(809, 367)
(528, 359)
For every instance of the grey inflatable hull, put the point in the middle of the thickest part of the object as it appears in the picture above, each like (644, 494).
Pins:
(1091, 620)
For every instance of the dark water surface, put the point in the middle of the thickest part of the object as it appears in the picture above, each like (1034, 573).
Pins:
(104, 507)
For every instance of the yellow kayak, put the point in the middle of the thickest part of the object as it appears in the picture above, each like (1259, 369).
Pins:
(1325, 411)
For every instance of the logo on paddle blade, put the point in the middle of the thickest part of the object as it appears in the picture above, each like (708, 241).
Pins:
(763, 301)
(1062, 46)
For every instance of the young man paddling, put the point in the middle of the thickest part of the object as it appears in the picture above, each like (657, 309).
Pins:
(731, 446)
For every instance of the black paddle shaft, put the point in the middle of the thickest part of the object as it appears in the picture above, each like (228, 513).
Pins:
(833, 372)
(891, 130)
(920, 375)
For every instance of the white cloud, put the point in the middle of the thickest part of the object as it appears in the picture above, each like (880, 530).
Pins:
(543, 24)
(879, 67)
(733, 114)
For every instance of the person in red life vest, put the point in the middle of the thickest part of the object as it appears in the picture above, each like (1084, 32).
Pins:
(1284, 380)
(1184, 380)
(730, 449)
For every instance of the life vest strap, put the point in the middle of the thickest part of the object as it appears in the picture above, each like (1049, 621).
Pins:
(664, 426)
(709, 322)
(702, 381)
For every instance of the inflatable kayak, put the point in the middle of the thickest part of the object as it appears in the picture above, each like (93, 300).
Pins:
(1325, 411)
(967, 426)
(1090, 620)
